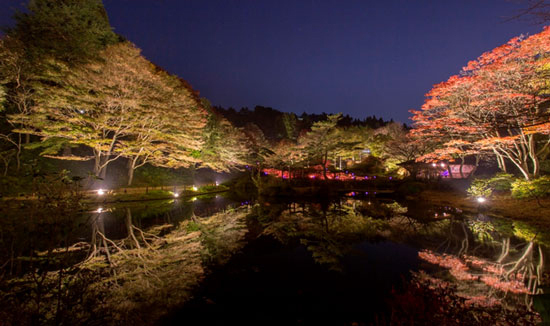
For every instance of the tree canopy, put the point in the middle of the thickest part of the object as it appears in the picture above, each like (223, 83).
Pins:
(497, 105)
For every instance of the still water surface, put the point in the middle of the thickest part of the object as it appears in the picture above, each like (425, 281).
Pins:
(338, 260)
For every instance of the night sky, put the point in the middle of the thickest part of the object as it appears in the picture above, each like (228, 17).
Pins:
(356, 57)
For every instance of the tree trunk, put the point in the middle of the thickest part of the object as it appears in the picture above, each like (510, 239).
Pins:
(6, 165)
(103, 172)
(18, 154)
(533, 156)
(130, 175)
(475, 167)
(325, 165)
(97, 163)
(131, 169)
(502, 163)
(520, 164)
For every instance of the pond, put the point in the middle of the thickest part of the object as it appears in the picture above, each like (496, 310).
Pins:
(356, 259)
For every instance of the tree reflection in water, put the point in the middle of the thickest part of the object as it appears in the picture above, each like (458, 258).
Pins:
(143, 261)
(328, 231)
(487, 263)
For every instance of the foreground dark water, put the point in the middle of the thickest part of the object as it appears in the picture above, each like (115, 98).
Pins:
(335, 261)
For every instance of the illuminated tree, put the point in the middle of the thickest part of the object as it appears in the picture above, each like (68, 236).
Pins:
(322, 141)
(497, 105)
(17, 93)
(72, 31)
(290, 122)
(287, 155)
(168, 125)
(120, 106)
(258, 150)
(225, 147)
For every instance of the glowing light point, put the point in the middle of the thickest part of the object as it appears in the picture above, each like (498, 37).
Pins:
(194, 199)
(442, 165)
(195, 188)
(176, 195)
(217, 183)
(434, 165)
(481, 200)
(101, 192)
(99, 210)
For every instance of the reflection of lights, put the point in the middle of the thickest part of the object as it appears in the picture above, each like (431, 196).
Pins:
(442, 165)
(217, 183)
(434, 165)
(194, 199)
(176, 195)
(481, 199)
(81, 111)
(101, 192)
(99, 210)
(435, 214)
(195, 188)
(369, 202)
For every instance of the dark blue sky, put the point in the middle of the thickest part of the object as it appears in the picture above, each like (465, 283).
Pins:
(356, 57)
